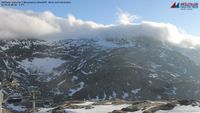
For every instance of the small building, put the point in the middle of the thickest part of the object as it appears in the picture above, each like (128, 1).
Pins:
(14, 98)
(7, 91)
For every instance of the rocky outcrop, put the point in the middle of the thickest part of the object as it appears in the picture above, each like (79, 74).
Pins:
(137, 105)
(153, 106)
(118, 111)
(167, 106)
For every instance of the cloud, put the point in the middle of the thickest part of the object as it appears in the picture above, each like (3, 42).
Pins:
(28, 24)
(125, 17)
(19, 24)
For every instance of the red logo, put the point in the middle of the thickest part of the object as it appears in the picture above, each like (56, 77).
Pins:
(175, 5)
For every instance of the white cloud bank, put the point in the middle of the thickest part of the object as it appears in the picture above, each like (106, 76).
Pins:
(28, 24)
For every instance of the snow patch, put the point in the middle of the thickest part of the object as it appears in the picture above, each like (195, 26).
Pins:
(125, 95)
(135, 91)
(45, 110)
(84, 104)
(98, 109)
(85, 73)
(41, 65)
(162, 54)
(74, 78)
(18, 108)
(114, 94)
(59, 84)
(73, 91)
(153, 75)
(155, 66)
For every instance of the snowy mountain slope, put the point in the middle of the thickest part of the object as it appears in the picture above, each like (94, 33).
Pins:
(92, 69)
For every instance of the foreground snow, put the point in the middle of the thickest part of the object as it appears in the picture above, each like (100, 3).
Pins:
(45, 110)
(182, 109)
(98, 109)
(178, 109)
(109, 108)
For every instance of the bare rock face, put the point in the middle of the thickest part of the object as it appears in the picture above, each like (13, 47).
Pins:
(150, 106)
(167, 106)
(185, 102)
(58, 110)
(137, 105)
(153, 106)
(118, 111)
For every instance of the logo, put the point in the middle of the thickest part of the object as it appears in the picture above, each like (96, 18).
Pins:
(175, 5)
(185, 5)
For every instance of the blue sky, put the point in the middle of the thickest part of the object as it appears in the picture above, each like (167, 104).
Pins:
(105, 11)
